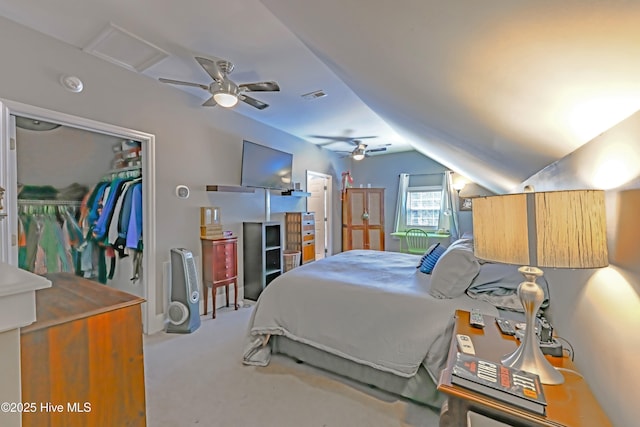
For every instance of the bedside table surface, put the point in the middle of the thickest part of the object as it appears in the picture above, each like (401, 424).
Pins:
(568, 404)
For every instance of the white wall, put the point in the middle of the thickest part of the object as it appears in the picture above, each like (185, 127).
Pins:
(195, 146)
(599, 311)
(42, 155)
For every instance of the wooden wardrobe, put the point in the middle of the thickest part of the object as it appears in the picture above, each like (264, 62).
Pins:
(363, 219)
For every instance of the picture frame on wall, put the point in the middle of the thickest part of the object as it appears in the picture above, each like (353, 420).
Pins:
(465, 203)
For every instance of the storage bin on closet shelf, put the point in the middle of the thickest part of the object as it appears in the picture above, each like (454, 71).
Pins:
(127, 154)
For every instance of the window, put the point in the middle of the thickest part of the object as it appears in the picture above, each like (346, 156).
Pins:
(423, 205)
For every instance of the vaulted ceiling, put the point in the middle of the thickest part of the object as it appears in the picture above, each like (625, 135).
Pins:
(493, 89)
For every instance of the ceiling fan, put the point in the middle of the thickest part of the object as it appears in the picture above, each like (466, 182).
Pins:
(225, 92)
(336, 139)
(361, 150)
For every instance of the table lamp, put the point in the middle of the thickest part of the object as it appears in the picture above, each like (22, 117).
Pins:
(559, 229)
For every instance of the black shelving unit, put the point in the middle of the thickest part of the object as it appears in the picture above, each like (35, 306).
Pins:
(262, 255)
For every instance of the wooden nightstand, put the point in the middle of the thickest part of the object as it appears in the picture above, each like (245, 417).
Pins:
(569, 404)
(219, 268)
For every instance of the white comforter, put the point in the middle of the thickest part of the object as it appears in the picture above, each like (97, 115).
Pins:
(370, 307)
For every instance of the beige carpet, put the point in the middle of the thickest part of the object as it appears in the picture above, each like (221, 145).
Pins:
(199, 379)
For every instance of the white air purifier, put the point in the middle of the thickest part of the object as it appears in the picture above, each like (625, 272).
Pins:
(183, 313)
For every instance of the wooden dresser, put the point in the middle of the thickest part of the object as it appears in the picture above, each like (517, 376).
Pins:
(81, 360)
(300, 228)
(219, 268)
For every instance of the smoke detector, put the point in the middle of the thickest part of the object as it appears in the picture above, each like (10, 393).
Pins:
(71, 83)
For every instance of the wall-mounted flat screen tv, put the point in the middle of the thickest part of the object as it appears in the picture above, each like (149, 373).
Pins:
(265, 167)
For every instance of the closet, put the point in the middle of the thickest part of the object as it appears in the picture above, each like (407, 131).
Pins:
(79, 204)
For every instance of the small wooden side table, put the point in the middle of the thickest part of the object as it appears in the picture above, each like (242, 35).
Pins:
(568, 404)
(219, 268)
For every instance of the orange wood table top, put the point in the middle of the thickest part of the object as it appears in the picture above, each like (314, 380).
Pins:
(568, 404)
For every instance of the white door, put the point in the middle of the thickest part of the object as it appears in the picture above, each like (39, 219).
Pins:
(320, 187)
(8, 220)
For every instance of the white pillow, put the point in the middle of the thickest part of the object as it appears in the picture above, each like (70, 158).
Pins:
(455, 270)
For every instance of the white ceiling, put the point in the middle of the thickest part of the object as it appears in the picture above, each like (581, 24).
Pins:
(494, 89)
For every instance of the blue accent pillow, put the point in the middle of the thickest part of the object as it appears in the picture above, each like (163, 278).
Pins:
(431, 258)
(427, 252)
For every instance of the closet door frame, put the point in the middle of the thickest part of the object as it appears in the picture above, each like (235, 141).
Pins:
(324, 218)
(152, 321)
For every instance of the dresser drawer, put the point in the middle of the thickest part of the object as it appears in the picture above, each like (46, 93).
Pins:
(223, 250)
(308, 252)
(224, 267)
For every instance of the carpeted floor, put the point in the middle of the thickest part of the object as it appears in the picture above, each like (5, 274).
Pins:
(199, 379)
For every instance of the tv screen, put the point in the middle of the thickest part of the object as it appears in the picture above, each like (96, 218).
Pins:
(265, 167)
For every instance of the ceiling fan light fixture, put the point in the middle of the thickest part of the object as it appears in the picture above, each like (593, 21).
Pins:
(358, 154)
(225, 99)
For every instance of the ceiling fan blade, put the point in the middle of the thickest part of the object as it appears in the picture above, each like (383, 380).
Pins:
(260, 87)
(211, 68)
(348, 139)
(210, 102)
(253, 102)
(376, 150)
(179, 82)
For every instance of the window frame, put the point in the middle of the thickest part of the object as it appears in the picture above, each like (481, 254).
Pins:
(421, 189)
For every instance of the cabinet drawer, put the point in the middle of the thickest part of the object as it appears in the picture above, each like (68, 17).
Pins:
(309, 236)
(308, 216)
(223, 250)
(219, 275)
(224, 262)
(308, 252)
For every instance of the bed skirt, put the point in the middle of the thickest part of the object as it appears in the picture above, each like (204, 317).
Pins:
(419, 388)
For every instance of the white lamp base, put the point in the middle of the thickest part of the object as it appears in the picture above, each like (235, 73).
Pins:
(528, 356)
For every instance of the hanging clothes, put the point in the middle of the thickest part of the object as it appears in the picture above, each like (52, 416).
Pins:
(44, 243)
(112, 224)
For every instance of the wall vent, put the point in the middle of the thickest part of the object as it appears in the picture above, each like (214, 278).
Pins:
(314, 95)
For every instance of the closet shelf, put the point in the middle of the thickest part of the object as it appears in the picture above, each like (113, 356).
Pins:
(230, 189)
(126, 169)
(49, 202)
(125, 172)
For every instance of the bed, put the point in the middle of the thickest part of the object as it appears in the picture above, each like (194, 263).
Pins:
(373, 316)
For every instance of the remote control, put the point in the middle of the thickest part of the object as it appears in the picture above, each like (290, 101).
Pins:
(505, 327)
(465, 344)
(475, 319)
